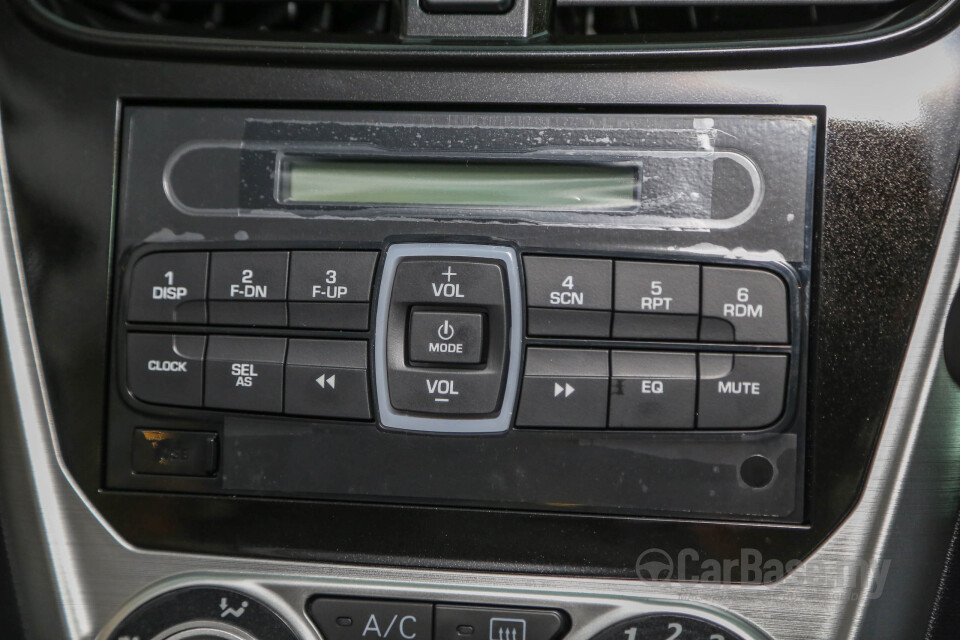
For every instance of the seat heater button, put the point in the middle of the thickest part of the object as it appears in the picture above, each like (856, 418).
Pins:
(363, 619)
(743, 305)
(651, 390)
(331, 276)
(327, 379)
(569, 283)
(565, 388)
(165, 368)
(490, 623)
(245, 374)
(169, 287)
(446, 337)
(741, 391)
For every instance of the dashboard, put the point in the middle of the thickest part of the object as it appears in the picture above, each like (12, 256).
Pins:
(479, 320)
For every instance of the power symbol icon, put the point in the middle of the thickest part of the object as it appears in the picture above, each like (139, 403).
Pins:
(445, 331)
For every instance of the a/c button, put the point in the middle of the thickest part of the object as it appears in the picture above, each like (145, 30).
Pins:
(347, 619)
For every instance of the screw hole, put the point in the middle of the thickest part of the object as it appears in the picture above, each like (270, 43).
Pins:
(756, 472)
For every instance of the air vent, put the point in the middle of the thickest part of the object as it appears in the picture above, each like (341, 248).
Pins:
(318, 20)
(588, 28)
(578, 21)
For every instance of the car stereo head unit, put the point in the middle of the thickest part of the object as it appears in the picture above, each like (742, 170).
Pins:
(389, 307)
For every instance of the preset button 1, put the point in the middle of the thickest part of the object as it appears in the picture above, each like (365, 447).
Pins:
(169, 287)
(245, 374)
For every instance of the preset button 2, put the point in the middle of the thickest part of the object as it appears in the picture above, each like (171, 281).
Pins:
(248, 288)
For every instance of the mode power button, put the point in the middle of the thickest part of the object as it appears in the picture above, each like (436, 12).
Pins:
(446, 337)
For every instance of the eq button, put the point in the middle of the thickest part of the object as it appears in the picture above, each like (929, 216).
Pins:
(651, 390)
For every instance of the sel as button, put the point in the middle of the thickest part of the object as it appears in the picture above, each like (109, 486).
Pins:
(245, 374)
(447, 337)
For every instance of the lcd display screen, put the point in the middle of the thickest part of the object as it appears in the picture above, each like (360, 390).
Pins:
(477, 184)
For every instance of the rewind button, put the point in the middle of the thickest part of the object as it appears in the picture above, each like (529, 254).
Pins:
(327, 379)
